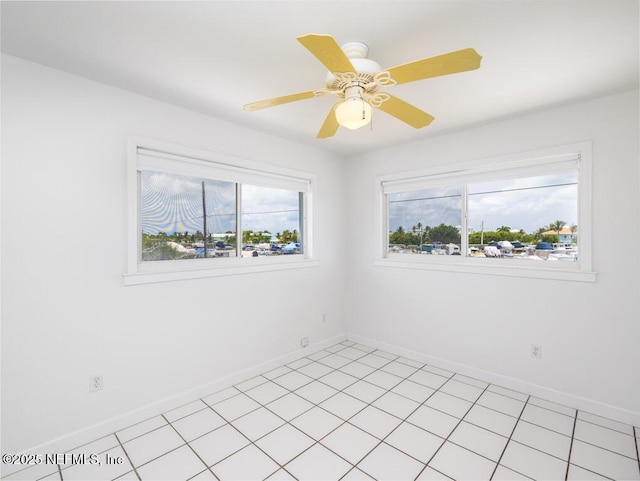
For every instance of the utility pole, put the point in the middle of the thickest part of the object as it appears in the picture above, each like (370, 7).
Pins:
(204, 220)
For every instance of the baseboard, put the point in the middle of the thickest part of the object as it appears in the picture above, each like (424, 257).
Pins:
(584, 404)
(91, 433)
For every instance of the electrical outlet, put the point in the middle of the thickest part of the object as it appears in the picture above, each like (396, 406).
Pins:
(536, 351)
(304, 342)
(95, 383)
(324, 318)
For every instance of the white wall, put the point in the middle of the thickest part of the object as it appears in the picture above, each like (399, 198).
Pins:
(65, 312)
(590, 332)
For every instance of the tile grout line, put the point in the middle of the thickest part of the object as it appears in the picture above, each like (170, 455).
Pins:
(159, 456)
(135, 471)
(251, 442)
(526, 403)
(604, 449)
(636, 434)
(189, 445)
(573, 434)
(606, 427)
(140, 435)
(61, 469)
(454, 428)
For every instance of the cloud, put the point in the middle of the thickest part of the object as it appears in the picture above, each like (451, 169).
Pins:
(527, 204)
(173, 203)
(524, 203)
(429, 207)
(274, 210)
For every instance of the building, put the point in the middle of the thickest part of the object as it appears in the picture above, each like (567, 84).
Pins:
(564, 235)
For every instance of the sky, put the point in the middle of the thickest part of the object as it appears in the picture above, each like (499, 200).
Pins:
(527, 203)
(173, 203)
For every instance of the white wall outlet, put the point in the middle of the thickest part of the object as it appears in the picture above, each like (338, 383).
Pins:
(536, 351)
(95, 383)
(324, 318)
(304, 342)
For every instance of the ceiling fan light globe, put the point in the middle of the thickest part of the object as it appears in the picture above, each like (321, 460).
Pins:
(353, 113)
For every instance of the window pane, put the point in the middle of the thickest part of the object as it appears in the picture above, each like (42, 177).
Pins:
(178, 212)
(271, 221)
(425, 221)
(527, 218)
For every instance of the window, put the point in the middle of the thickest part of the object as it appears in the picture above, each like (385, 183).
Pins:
(525, 215)
(198, 214)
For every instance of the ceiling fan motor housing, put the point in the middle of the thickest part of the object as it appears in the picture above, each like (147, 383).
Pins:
(365, 69)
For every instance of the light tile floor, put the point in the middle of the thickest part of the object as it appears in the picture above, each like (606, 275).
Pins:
(351, 412)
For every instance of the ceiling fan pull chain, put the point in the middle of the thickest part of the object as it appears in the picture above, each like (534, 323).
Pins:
(371, 122)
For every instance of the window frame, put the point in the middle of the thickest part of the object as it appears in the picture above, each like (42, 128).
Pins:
(181, 160)
(537, 162)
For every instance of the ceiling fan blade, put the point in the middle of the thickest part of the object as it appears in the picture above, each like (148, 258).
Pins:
(330, 125)
(448, 63)
(263, 104)
(406, 112)
(326, 49)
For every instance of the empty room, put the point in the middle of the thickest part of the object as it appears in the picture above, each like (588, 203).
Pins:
(320, 240)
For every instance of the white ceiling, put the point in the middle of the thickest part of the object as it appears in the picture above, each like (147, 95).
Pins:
(216, 56)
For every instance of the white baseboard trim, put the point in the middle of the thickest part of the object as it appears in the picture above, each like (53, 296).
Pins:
(83, 436)
(577, 402)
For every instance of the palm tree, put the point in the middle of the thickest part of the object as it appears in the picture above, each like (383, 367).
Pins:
(574, 229)
(539, 233)
(418, 229)
(558, 226)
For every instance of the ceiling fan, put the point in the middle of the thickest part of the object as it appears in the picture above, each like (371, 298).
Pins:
(357, 80)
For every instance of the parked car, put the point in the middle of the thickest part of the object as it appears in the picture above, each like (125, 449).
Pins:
(426, 248)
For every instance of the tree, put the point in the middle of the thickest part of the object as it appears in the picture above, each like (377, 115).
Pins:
(397, 237)
(538, 234)
(417, 229)
(574, 229)
(288, 236)
(557, 227)
(445, 234)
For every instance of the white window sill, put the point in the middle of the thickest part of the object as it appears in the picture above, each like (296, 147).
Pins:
(168, 271)
(494, 267)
